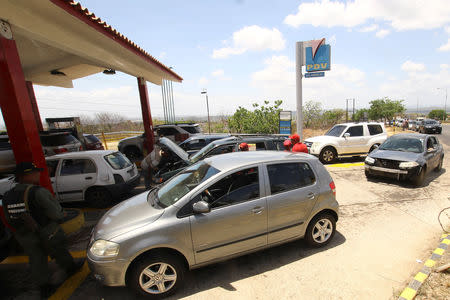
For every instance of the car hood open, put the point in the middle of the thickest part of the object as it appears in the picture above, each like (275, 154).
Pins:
(126, 216)
(183, 155)
(395, 155)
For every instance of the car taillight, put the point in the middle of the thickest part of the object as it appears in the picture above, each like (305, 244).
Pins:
(333, 187)
(60, 150)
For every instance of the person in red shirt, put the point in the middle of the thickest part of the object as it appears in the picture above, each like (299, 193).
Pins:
(287, 145)
(298, 146)
(243, 147)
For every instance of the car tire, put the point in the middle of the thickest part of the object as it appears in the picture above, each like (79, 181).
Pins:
(368, 175)
(320, 230)
(328, 155)
(419, 178)
(133, 154)
(374, 146)
(98, 197)
(439, 166)
(167, 281)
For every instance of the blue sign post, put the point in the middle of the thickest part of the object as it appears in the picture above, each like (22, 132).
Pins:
(320, 61)
(314, 74)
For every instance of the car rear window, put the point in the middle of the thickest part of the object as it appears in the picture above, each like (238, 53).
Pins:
(375, 129)
(58, 140)
(191, 129)
(117, 161)
(91, 139)
(289, 176)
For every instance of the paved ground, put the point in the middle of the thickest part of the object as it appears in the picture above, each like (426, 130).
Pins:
(384, 228)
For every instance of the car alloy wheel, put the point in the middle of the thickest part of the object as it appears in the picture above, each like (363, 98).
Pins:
(158, 278)
(322, 231)
(328, 155)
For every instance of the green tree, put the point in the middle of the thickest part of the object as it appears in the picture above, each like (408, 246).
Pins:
(332, 117)
(359, 114)
(385, 108)
(263, 119)
(312, 113)
(436, 114)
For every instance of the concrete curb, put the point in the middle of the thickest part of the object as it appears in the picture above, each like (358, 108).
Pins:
(411, 290)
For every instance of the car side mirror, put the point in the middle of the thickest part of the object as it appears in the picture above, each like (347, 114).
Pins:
(346, 135)
(201, 207)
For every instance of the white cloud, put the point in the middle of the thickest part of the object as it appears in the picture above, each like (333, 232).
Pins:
(203, 81)
(382, 33)
(370, 28)
(410, 66)
(445, 47)
(252, 38)
(379, 73)
(400, 14)
(218, 73)
(444, 66)
(447, 29)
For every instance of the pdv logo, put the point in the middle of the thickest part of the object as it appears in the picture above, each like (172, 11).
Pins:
(317, 57)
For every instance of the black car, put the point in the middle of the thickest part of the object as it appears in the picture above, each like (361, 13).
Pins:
(225, 145)
(430, 126)
(406, 156)
(197, 142)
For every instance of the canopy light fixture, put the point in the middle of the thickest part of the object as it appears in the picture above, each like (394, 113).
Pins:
(57, 73)
(109, 71)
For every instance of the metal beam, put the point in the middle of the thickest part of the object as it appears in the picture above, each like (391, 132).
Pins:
(17, 109)
(146, 115)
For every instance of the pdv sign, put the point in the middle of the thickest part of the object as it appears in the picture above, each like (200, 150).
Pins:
(318, 61)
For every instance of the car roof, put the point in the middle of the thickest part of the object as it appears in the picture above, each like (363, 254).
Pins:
(207, 136)
(91, 153)
(233, 160)
(409, 135)
(249, 139)
(360, 123)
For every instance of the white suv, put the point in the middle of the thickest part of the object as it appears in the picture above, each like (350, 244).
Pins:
(348, 139)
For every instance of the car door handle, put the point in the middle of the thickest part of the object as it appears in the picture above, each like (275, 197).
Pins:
(89, 177)
(311, 196)
(257, 210)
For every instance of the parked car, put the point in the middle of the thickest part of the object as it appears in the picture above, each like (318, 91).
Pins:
(430, 126)
(412, 125)
(348, 139)
(221, 207)
(222, 146)
(97, 177)
(133, 147)
(198, 141)
(59, 142)
(406, 156)
(52, 143)
(91, 142)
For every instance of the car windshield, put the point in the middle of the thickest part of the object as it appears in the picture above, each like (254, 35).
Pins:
(200, 154)
(91, 139)
(430, 122)
(174, 189)
(403, 144)
(336, 130)
(117, 161)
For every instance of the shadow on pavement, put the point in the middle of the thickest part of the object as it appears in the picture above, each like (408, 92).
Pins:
(221, 274)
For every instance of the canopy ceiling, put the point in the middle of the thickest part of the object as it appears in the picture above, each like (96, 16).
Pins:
(63, 38)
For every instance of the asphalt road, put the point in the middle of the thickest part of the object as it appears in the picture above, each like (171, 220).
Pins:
(386, 229)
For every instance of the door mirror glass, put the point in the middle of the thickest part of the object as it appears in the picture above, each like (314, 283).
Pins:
(201, 207)
(346, 135)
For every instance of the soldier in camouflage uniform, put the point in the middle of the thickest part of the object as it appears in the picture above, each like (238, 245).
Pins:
(35, 215)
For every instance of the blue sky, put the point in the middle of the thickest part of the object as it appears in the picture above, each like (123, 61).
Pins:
(242, 51)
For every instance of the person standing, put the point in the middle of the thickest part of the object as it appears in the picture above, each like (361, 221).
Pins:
(287, 144)
(298, 146)
(150, 163)
(35, 215)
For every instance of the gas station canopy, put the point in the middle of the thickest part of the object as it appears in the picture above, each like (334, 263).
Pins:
(59, 41)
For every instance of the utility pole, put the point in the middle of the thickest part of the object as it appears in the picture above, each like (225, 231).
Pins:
(353, 115)
(207, 108)
(445, 104)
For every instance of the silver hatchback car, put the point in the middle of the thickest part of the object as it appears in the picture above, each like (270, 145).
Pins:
(221, 207)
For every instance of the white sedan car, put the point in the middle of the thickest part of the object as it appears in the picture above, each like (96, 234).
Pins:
(97, 177)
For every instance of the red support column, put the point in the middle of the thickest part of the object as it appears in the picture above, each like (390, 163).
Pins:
(37, 115)
(146, 114)
(16, 108)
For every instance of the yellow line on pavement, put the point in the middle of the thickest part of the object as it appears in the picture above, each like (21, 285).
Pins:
(23, 259)
(71, 284)
(348, 165)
